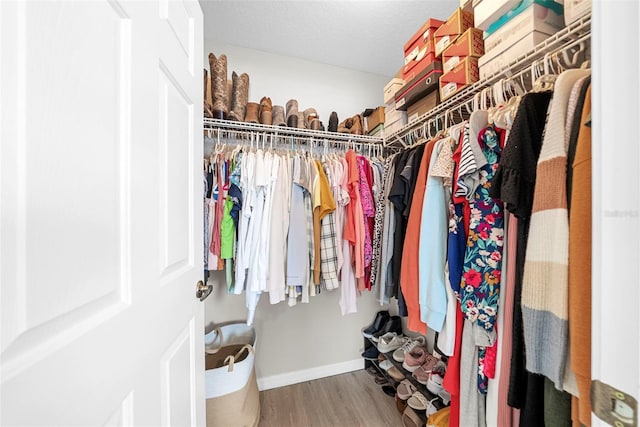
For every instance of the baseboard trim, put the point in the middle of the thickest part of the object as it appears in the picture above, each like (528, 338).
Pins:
(295, 377)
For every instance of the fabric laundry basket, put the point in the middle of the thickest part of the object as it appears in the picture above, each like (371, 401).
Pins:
(231, 389)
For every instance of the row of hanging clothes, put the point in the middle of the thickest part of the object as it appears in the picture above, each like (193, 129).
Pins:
(290, 216)
(485, 238)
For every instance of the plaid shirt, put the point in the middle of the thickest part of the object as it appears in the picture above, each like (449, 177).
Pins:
(328, 253)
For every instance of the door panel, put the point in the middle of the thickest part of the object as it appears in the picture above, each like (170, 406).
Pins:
(100, 214)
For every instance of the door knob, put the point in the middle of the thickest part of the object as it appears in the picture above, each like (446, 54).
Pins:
(202, 290)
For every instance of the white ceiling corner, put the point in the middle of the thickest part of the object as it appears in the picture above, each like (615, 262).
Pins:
(360, 35)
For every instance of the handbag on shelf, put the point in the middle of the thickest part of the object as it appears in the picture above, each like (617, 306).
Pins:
(231, 388)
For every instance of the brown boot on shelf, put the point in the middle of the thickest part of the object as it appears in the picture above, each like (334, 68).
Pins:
(207, 95)
(251, 115)
(218, 69)
(239, 96)
(278, 116)
(265, 114)
(345, 125)
(311, 119)
(356, 127)
(301, 122)
(292, 113)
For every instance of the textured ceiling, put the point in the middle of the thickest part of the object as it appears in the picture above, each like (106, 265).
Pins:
(360, 35)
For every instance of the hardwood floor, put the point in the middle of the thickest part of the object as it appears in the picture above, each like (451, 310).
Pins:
(347, 400)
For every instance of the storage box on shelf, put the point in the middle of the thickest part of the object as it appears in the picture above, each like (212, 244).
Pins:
(470, 43)
(461, 76)
(418, 87)
(547, 11)
(486, 12)
(575, 9)
(521, 33)
(459, 22)
(375, 118)
(393, 119)
(419, 51)
(423, 105)
(391, 88)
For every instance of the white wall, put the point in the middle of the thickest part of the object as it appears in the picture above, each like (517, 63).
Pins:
(324, 87)
(308, 340)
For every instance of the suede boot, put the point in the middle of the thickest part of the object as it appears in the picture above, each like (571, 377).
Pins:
(229, 94)
(265, 114)
(252, 112)
(345, 125)
(356, 127)
(301, 122)
(292, 113)
(239, 96)
(207, 95)
(218, 71)
(311, 119)
(278, 116)
(333, 122)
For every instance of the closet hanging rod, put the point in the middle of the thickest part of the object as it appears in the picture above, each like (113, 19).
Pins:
(313, 145)
(287, 131)
(559, 42)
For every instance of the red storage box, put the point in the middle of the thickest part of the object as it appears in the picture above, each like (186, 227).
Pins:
(471, 43)
(462, 75)
(419, 51)
(459, 22)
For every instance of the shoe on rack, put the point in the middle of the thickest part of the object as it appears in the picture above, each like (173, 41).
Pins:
(410, 418)
(385, 365)
(266, 111)
(406, 389)
(278, 116)
(395, 373)
(239, 96)
(356, 127)
(414, 359)
(371, 370)
(390, 342)
(434, 384)
(218, 73)
(389, 391)
(292, 113)
(333, 122)
(371, 353)
(400, 404)
(418, 401)
(251, 113)
(311, 119)
(380, 380)
(393, 324)
(398, 355)
(377, 324)
(424, 371)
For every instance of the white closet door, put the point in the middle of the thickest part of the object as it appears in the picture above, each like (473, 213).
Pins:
(101, 213)
(616, 198)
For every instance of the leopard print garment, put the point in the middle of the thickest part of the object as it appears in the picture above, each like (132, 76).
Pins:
(379, 221)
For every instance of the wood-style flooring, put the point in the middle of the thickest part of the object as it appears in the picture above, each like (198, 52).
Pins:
(346, 400)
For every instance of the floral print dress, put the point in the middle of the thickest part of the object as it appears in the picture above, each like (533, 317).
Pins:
(481, 271)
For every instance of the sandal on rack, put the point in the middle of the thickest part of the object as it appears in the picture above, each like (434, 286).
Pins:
(406, 389)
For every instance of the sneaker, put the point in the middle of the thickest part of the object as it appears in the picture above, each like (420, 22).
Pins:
(424, 371)
(434, 384)
(414, 358)
(390, 342)
(371, 353)
(409, 345)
